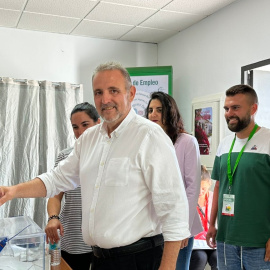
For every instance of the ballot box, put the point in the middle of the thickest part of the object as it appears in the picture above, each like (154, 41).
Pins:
(22, 244)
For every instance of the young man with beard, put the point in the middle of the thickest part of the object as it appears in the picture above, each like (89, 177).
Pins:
(242, 191)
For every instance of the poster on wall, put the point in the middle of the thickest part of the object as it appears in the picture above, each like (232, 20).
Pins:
(148, 80)
(203, 129)
(205, 117)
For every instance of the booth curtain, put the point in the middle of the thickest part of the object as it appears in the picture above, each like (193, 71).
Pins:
(34, 128)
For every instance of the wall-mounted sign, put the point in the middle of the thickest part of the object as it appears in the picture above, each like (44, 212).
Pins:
(148, 80)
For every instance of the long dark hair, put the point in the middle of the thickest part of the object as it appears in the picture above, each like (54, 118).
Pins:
(171, 117)
(88, 109)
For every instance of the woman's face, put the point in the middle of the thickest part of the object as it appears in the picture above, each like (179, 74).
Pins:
(155, 112)
(205, 185)
(81, 121)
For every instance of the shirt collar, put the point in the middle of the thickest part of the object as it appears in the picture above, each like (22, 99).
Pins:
(122, 125)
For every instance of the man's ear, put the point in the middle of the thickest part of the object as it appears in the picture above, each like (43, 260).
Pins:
(254, 108)
(132, 93)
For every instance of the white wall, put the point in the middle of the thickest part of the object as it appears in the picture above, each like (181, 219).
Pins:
(208, 56)
(63, 58)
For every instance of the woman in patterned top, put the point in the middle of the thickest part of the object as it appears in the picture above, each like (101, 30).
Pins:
(73, 249)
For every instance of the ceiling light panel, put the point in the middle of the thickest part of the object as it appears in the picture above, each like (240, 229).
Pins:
(41, 22)
(122, 14)
(101, 29)
(142, 34)
(156, 4)
(12, 4)
(67, 8)
(205, 7)
(171, 20)
(9, 18)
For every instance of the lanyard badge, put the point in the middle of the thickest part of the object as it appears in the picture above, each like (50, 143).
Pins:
(229, 199)
(228, 205)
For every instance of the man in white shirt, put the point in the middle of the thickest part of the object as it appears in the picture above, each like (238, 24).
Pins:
(132, 190)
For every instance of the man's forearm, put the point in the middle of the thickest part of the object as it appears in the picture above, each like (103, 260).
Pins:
(32, 189)
(212, 231)
(170, 254)
(214, 210)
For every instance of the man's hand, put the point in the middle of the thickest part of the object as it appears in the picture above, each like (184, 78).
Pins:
(184, 243)
(6, 194)
(211, 237)
(267, 251)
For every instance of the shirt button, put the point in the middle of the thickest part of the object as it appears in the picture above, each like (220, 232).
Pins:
(102, 164)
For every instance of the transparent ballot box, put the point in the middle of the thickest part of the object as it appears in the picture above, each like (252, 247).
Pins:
(24, 251)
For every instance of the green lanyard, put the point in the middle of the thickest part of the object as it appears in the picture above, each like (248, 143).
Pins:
(229, 169)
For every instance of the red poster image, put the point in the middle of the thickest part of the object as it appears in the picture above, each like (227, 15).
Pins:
(203, 129)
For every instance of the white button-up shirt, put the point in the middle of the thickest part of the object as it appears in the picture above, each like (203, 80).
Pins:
(130, 182)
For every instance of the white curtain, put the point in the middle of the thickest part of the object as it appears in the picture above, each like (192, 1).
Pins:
(34, 128)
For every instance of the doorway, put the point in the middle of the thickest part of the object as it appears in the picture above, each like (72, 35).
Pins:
(257, 75)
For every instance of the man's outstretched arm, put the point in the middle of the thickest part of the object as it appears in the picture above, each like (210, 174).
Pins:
(32, 189)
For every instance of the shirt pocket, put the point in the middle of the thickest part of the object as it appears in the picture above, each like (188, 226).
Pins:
(117, 172)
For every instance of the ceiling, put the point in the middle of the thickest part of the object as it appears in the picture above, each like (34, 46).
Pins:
(131, 20)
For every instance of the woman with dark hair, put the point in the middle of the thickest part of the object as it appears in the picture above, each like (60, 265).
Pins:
(162, 109)
(73, 249)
